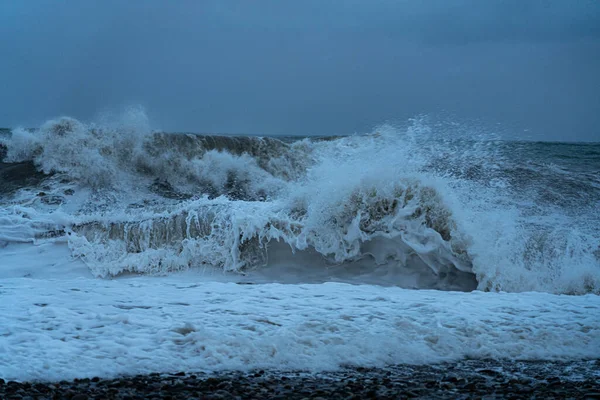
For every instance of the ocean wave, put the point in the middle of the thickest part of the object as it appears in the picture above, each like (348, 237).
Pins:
(434, 211)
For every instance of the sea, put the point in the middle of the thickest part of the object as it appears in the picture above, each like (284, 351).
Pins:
(125, 249)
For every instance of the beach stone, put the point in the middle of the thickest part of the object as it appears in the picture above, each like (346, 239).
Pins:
(426, 381)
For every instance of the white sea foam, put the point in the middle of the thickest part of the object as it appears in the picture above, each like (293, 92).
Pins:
(75, 328)
(435, 211)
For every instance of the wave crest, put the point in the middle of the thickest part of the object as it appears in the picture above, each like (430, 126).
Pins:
(413, 207)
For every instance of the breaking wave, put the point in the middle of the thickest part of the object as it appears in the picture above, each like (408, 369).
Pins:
(420, 206)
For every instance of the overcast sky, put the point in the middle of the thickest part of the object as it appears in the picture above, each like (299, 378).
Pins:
(528, 67)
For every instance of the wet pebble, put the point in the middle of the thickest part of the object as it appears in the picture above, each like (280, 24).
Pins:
(468, 379)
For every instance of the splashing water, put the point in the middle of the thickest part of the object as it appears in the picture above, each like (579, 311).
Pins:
(427, 205)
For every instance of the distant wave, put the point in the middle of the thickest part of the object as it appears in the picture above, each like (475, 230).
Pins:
(417, 207)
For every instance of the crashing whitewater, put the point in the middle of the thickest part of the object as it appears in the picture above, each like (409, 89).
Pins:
(238, 253)
(403, 207)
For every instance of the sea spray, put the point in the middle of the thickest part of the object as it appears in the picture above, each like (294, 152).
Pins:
(440, 207)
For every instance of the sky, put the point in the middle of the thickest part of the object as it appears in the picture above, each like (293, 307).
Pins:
(529, 69)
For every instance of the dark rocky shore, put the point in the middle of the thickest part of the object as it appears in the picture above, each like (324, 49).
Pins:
(463, 380)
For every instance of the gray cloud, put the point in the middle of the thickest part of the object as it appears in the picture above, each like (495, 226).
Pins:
(309, 67)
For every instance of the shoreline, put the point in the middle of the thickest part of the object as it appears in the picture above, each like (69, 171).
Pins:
(458, 380)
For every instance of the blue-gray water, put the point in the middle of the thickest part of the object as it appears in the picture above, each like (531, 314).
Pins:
(420, 205)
